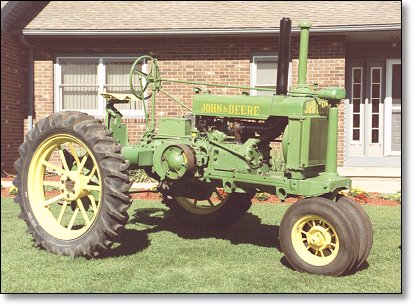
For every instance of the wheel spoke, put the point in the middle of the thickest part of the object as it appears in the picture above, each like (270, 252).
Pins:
(141, 85)
(322, 253)
(74, 215)
(52, 183)
(83, 161)
(93, 204)
(54, 167)
(219, 194)
(61, 213)
(74, 153)
(195, 201)
(54, 199)
(316, 252)
(140, 73)
(63, 159)
(93, 170)
(210, 202)
(93, 187)
(83, 212)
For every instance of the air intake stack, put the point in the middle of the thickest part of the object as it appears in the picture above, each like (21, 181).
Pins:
(303, 53)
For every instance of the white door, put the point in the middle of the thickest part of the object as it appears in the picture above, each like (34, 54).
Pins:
(393, 108)
(365, 111)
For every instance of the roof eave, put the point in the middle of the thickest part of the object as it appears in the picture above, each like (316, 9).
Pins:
(229, 31)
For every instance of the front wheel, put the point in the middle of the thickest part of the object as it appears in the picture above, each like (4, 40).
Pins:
(365, 229)
(72, 185)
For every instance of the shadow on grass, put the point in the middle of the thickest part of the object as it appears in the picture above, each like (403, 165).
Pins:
(130, 242)
(249, 230)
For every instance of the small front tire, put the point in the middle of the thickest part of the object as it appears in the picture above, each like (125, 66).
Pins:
(316, 237)
(364, 227)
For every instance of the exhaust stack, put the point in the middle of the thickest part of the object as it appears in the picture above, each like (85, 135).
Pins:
(284, 54)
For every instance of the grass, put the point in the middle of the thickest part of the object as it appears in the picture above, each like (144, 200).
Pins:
(158, 254)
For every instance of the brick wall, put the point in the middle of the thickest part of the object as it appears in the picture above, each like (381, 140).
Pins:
(216, 60)
(14, 69)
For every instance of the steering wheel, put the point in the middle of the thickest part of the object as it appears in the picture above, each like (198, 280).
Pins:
(152, 76)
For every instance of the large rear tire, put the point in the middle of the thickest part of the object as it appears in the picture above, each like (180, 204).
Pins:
(72, 186)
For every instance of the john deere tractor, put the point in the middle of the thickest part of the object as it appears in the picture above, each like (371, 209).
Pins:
(210, 162)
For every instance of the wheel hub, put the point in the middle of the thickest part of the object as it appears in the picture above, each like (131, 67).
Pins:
(318, 237)
(177, 161)
(71, 186)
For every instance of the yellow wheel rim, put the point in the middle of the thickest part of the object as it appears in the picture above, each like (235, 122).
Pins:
(315, 240)
(64, 186)
(205, 207)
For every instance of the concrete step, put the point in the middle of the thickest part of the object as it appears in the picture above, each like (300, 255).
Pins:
(374, 179)
(370, 171)
(381, 185)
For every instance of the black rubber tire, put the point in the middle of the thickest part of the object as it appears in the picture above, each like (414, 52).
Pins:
(347, 236)
(112, 213)
(355, 212)
(236, 205)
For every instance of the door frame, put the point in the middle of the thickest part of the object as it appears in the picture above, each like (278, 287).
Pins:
(388, 107)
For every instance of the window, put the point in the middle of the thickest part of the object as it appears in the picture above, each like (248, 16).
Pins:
(375, 103)
(357, 99)
(78, 80)
(263, 73)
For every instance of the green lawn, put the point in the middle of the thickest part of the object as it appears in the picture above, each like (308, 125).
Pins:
(158, 254)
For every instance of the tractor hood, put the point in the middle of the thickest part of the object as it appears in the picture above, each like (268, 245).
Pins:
(251, 107)
(257, 107)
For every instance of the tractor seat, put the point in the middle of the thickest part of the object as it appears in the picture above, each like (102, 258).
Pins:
(118, 98)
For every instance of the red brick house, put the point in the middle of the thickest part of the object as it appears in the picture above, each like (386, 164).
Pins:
(58, 55)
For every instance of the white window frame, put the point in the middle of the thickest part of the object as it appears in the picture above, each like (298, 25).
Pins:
(362, 114)
(253, 72)
(380, 113)
(100, 111)
(388, 107)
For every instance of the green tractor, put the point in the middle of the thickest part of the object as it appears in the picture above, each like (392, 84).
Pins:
(74, 191)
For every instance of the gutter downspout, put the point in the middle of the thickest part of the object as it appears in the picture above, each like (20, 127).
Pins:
(30, 82)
